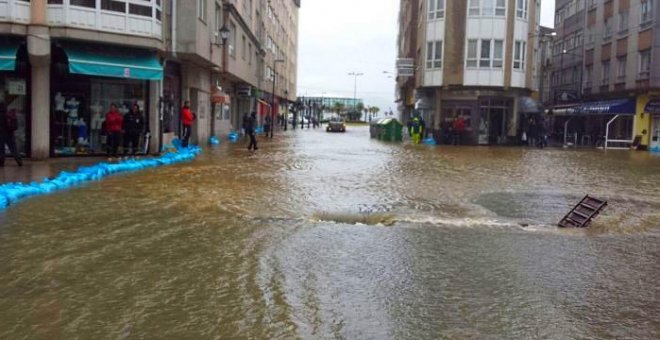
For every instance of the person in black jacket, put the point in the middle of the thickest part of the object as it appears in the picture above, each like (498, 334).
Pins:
(133, 129)
(8, 125)
(250, 125)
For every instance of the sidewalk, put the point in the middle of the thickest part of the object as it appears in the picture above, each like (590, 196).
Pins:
(38, 170)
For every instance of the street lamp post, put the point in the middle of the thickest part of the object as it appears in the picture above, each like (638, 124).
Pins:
(272, 98)
(285, 117)
(355, 75)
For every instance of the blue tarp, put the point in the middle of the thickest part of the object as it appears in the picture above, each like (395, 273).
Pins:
(110, 61)
(11, 193)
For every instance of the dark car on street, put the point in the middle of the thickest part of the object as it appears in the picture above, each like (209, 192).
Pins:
(336, 124)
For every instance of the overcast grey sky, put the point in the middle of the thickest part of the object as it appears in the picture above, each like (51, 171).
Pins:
(342, 36)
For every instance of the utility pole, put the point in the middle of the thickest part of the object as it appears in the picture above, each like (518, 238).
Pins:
(355, 75)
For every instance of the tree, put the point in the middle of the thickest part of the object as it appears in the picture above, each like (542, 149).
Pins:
(338, 107)
(375, 110)
(358, 111)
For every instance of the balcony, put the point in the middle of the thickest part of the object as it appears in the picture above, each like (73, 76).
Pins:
(16, 11)
(133, 17)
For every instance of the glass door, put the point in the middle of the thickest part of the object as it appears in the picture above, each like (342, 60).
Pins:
(655, 133)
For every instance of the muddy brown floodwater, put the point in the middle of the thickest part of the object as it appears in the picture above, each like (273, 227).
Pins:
(339, 236)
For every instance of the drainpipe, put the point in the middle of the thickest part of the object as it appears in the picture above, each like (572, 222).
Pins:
(173, 37)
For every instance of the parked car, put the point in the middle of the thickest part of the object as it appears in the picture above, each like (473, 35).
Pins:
(336, 124)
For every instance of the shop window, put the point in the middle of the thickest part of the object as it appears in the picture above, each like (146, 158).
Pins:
(84, 3)
(114, 6)
(144, 11)
(55, 2)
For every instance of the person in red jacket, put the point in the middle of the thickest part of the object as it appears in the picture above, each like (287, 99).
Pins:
(114, 122)
(187, 117)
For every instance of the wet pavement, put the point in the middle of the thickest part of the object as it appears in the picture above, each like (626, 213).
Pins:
(338, 236)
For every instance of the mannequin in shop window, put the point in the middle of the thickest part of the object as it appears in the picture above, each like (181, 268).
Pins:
(71, 108)
(95, 127)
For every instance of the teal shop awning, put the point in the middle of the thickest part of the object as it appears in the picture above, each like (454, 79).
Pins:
(115, 62)
(8, 51)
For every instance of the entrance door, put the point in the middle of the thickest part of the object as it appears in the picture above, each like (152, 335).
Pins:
(655, 133)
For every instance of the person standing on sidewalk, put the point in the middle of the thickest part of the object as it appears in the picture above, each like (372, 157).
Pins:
(8, 125)
(133, 128)
(187, 117)
(249, 129)
(114, 122)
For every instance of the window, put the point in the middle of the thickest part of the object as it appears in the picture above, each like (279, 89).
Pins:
(472, 53)
(144, 11)
(436, 9)
(608, 28)
(498, 54)
(84, 3)
(575, 75)
(588, 74)
(621, 69)
(521, 9)
(644, 64)
(484, 56)
(519, 55)
(244, 49)
(434, 54)
(623, 21)
(487, 8)
(473, 9)
(232, 40)
(500, 8)
(647, 11)
(201, 10)
(113, 6)
(605, 79)
(250, 54)
(218, 18)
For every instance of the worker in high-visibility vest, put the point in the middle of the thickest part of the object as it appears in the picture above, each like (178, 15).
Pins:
(416, 129)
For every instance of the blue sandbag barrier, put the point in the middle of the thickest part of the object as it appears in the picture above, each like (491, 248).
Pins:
(11, 193)
(655, 149)
(214, 140)
(233, 137)
(430, 141)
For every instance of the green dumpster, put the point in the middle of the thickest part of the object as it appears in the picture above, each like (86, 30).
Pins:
(390, 130)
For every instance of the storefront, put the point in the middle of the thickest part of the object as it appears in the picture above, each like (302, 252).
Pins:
(607, 124)
(652, 108)
(14, 85)
(86, 81)
(486, 120)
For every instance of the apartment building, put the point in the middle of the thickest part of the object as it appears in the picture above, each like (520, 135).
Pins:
(64, 62)
(475, 59)
(616, 97)
(407, 50)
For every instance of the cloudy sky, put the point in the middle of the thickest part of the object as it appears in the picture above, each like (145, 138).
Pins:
(342, 36)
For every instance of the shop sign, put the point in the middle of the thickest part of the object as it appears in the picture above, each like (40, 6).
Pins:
(653, 107)
(127, 72)
(16, 87)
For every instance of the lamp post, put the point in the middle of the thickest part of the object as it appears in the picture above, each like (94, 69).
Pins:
(355, 75)
(272, 98)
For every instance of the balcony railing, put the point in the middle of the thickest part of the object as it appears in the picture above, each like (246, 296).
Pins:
(134, 17)
(17, 11)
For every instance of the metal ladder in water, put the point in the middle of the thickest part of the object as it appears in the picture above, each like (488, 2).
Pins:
(582, 214)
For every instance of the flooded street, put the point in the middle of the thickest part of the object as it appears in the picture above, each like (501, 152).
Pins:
(338, 236)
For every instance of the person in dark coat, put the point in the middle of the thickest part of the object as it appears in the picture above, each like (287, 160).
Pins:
(133, 129)
(250, 126)
(8, 125)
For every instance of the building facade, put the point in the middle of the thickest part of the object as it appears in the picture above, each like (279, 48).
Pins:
(474, 59)
(64, 62)
(613, 51)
